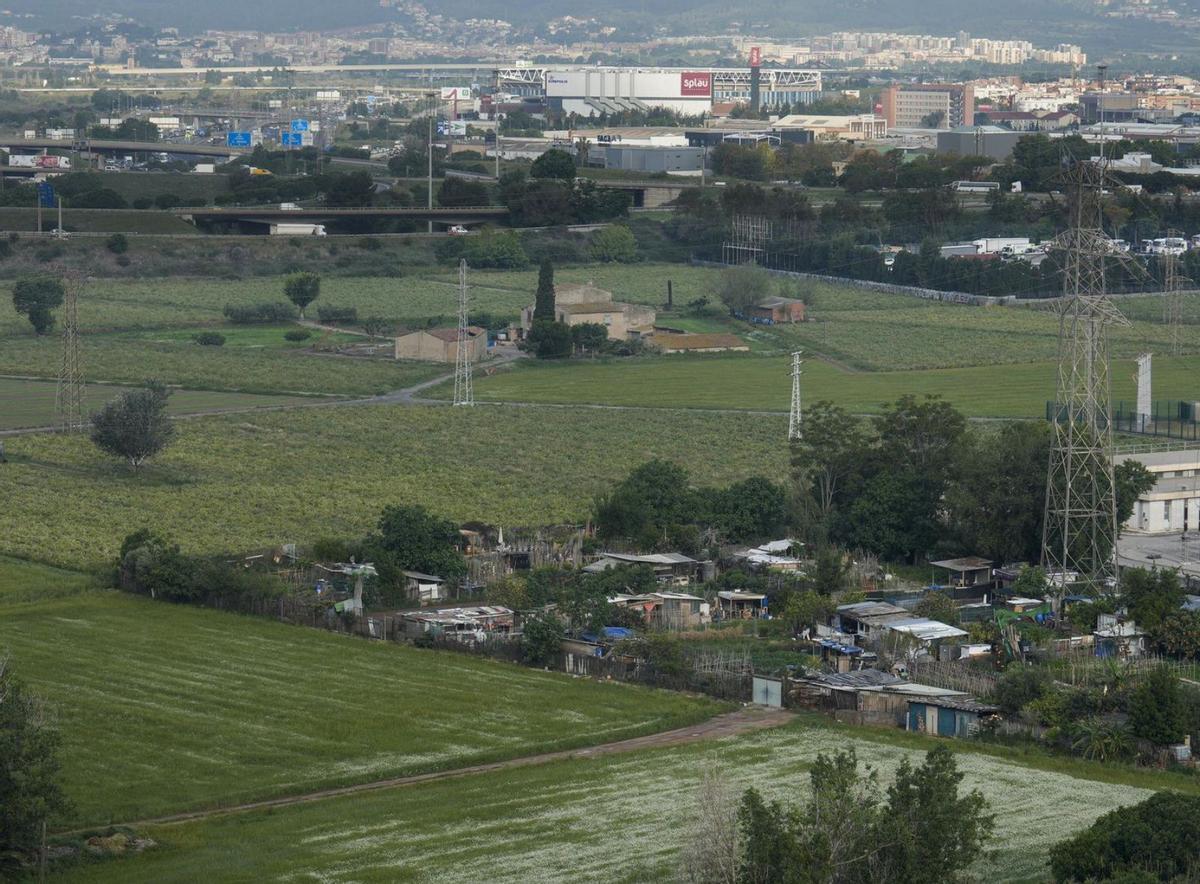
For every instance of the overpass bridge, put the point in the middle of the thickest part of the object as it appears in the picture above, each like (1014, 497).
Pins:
(96, 145)
(317, 214)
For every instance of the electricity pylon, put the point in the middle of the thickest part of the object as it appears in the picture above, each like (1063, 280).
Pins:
(69, 395)
(1173, 284)
(1080, 529)
(795, 416)
(464, 390)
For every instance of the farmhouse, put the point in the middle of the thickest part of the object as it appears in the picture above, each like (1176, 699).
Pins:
(579, 304)
(440, 345)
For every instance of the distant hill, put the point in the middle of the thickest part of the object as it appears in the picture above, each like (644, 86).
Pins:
(1044, 22)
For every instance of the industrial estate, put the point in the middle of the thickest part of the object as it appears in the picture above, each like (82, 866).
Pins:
(571, 448)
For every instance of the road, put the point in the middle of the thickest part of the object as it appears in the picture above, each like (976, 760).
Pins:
(746, 720)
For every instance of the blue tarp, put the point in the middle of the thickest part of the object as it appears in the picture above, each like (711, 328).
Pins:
(609, 633)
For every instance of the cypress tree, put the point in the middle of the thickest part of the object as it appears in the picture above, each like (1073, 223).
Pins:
(543, 302)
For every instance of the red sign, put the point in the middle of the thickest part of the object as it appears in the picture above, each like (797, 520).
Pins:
(695, 83)
(755, 56)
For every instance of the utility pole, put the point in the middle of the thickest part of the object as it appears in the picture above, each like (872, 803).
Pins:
(795, 416)
(464, 389)
(429, 152)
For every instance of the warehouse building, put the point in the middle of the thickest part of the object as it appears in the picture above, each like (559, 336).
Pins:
(649, 158)
(919, 105)
(979, 141)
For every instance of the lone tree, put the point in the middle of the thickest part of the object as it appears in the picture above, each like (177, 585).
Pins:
(29, 790)
(543, 301)
(302, 289)
(554, 164)
(34, 297)
(134, 426)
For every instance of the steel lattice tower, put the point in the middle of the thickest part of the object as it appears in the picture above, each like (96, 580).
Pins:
(464, 390)
(1080, 527)
(69, 397)
(795, 416)
(1173, 285)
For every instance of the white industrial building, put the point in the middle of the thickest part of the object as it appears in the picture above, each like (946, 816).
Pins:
(1172, 506)
(592, 90)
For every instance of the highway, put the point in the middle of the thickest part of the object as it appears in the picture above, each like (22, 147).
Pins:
(96, 145)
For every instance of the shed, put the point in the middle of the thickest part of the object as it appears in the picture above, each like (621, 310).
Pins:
(947, 716)
(424, 588)
(777, 309)
(440, 344)
(735, 605)
(966, 571)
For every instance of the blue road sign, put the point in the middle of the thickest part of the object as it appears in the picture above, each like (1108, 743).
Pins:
(291, 139)
(443, 127)
(299, 125)
(45, 192)
(237, 139)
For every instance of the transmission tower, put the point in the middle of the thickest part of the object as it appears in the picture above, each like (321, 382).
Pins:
(69, 398)
(1173, 284)
(795, 416)
(1080, 528)
(464, 390)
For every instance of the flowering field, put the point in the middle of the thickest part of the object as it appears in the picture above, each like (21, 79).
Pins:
(166, 707)
(241, 482)
(620, 818)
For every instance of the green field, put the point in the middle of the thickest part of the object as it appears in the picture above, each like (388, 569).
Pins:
(25, 403)
(166, 707)
(242, 482)
(742, 381)
(621, 818)
(30, 582)
(131, 359)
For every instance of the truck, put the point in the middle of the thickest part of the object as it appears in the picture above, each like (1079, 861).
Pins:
(39, 161)
(296, 228)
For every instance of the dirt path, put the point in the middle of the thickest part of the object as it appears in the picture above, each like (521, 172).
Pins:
(745, 720)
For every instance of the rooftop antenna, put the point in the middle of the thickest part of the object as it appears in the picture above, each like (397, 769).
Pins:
(69, 396)
(795, 416)
(464, 390)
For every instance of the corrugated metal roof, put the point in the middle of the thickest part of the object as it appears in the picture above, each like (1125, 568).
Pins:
(926, 630)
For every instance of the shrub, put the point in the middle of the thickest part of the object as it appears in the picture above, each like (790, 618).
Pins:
(123, 261)
(267, 311)
(210, 339)
(615, 243)
(143, 202)
(330, 313)
(167, 201)
(117, 244)
(297, 334)
(1017, 688)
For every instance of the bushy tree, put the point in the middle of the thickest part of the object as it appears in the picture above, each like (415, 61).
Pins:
(740, 288)
(590, 337)
(34, 297)
(410, 538)
(302, 289)
(1160, 837)
(541, 639)
(135, 426)
(614, 243)
(29, 790)
(554, 163)
(501, 250)
(550, 340)
(1156, 709)
(1019, 687)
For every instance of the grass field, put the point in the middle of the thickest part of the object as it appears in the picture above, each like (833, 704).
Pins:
(619, 818)
(25, 403)
(165, 707)
(29, 582)
(244, 481)
(739, 381)
(133, 359)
